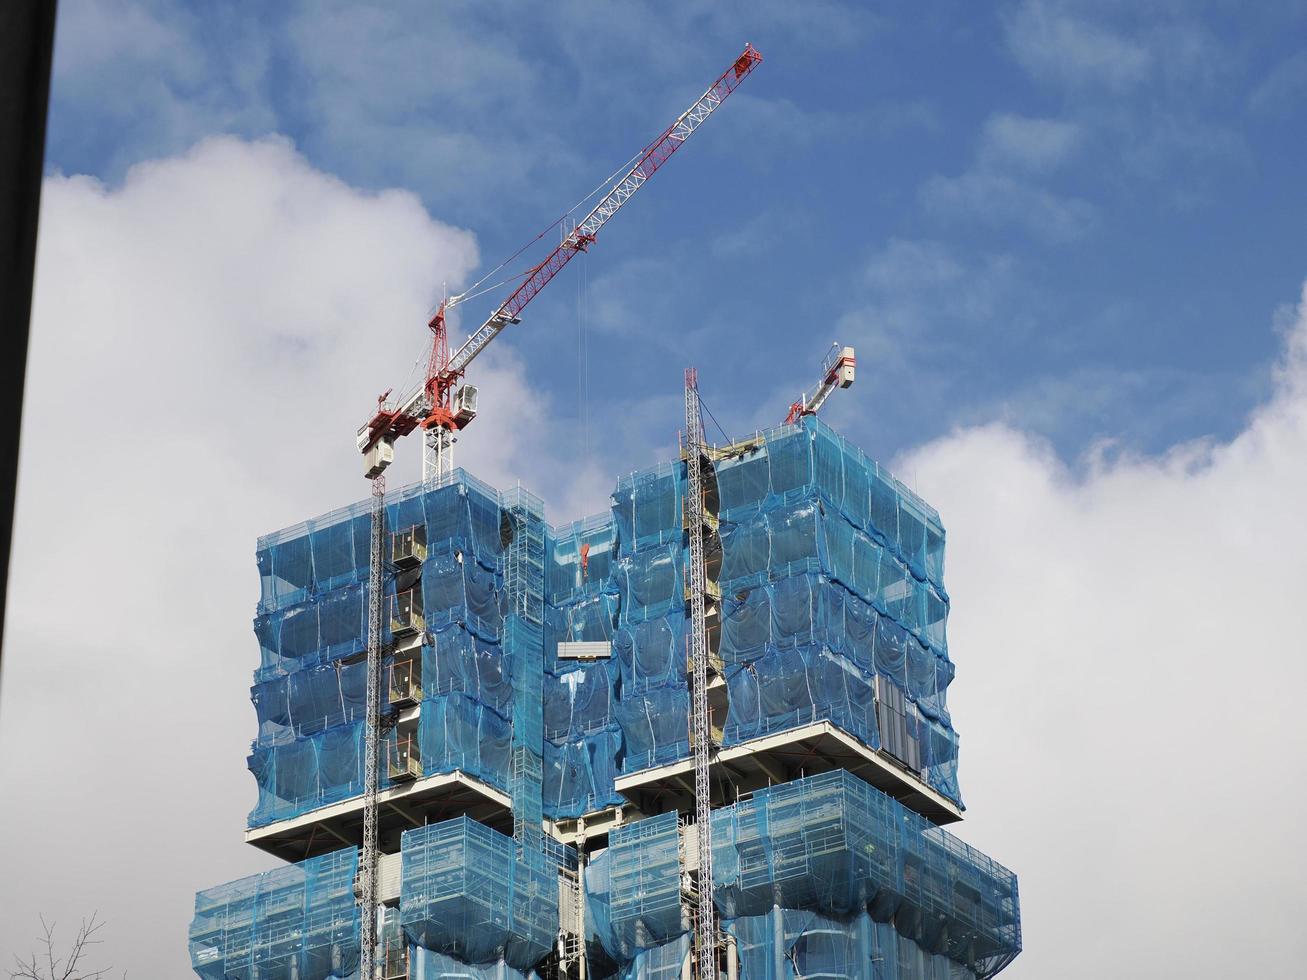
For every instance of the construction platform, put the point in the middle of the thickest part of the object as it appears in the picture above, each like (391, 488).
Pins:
(772, 759)
(428, 800)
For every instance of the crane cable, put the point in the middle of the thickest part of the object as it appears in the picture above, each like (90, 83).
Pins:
(583, 358)
(603, 184)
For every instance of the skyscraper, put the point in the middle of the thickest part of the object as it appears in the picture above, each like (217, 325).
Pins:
(536, 811)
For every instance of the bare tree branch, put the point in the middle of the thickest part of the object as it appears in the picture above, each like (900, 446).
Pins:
(48, 965)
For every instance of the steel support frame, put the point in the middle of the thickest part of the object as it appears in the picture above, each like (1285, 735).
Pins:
(705, 926)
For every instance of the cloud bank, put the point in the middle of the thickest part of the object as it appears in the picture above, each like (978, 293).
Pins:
(1130, 664)
(208, 335)
(206, 338)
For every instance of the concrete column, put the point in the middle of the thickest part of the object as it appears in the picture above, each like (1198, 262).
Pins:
(778, 942)
(865, 951)
(732, 957)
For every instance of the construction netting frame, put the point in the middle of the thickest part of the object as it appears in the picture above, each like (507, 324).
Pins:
(840, 855)
(298, 921)
(311, 624)
(469, 894)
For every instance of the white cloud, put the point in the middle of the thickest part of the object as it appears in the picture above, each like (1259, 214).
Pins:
(1004, 186)
(208, 335)
(1029, 144)
(206, 338)
(998, 199)
(1282, 88)
(1129, 665)
(1051, 42)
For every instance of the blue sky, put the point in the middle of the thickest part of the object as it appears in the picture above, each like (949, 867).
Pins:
(1076, 217)
(1066, 239)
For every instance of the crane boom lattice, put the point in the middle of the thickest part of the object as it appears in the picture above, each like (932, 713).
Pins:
(435, 409)
(431, 406)
(372, 733)
(705, 926)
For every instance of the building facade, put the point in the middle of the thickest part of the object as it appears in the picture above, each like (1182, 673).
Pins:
(537, 790)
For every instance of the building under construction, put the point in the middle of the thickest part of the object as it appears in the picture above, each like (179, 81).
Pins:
(702, 734)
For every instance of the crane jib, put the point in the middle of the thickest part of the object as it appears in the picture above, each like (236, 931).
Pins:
(654, 156)
(390, 424)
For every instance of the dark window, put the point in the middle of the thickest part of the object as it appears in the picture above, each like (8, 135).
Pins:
(898, 724)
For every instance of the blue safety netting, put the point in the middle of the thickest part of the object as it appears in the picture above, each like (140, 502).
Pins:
(804, 536)
(332, 551)
(633, 888)
(795, 462)
(792, 944)
(828, 844)
(651, 582)
(424, 964)
(655, 726)
(468, 893)
(670, 961)
(830, 573)
(646, 507)
(309, 692)
(833, 844)
(583, 742)
(298, 922)
(568, 578)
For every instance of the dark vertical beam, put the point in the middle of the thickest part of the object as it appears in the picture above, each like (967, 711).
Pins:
(26, 47)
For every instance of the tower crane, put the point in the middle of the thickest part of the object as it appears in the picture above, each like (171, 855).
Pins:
(837, 370)
(444, 406)
(441, 408)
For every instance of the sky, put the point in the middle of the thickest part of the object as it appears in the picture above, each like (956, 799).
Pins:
(1066, 239)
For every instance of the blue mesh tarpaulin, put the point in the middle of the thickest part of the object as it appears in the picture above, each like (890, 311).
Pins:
(796, 686)
(647, 507)
(651, 582)
(831, 575)
(652, 653)
(456, 732)
(655, 726)
(467, 893)
(566, 580)
(312, 627)
(456, 661)
(579, 775)
(812, 871)
(633, 888)
(802, 537)
(298, 922)
(583, 741)
(427, 965)
(791, 944)
(579, 700)
(796, 462)
(833, 844)
(302, 774)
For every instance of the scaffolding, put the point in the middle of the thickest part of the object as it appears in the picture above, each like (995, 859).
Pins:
(699, 894)
(828, 847)
(791, 583)
(300, 920)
